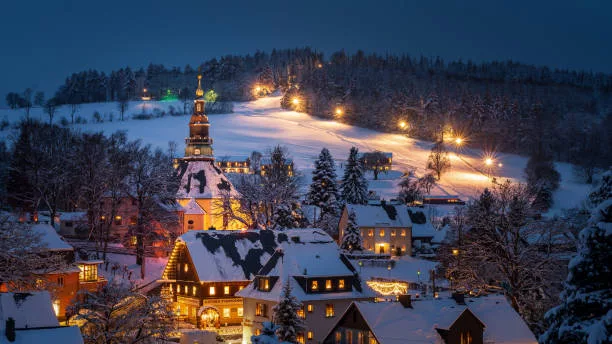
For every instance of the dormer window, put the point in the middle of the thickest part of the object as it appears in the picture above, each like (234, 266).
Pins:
(381, 233)
(341, 284)
(264, 284)
(314, 285)
(328, 284)
(393, 232)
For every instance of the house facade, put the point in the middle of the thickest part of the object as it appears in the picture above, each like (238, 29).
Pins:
(320, 277)
(234, 164)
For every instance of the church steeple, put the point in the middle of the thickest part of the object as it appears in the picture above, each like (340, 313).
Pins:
(198, 146)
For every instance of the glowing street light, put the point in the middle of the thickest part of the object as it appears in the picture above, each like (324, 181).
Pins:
(500, 165)
(295, 101)
(488, 161)
(339, 111)
(257, 89)
(455, 252)
(458, 141)
(402, 125)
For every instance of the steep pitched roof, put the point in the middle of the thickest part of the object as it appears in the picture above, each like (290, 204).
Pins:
(29, 309)
(193, 208)
(202, 179)
(380, 216)
(392, 323)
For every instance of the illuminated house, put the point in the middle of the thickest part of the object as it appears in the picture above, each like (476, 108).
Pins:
(235, 164)
(388, 229)
(321, 278)
(202, 181)
(205, 271)
(28, 317)
(64, 284)
(487, 319)
(266, 164)
(383, 161)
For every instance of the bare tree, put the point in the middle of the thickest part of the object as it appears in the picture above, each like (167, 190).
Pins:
(39, 99)
(438, 160)
(74, 107)
(427, 182)
(123, 105)
(27, 101)
(375, 161)
(50, 109)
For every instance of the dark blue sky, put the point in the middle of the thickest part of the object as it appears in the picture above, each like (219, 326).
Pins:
(45, 41)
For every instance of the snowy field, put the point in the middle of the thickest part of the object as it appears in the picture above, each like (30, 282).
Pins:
(260, 124)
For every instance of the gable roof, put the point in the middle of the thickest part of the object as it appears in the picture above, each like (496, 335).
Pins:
(193, 208)
(392, 323)
(304, 253)
(50, 238)
(62, 334)
(380, 216)
(29, 309)
(202, 179)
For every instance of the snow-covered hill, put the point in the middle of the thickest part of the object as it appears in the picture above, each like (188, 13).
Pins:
(260, 124)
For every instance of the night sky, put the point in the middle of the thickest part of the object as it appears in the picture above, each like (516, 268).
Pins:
(45, 41)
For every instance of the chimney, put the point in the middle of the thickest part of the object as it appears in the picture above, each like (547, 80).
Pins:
(10, 329)
(405, 300)
(459, 298)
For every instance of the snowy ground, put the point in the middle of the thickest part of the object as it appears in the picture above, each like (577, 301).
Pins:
(260, 124)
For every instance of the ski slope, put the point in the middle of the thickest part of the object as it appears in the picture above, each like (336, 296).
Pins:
(261, 124)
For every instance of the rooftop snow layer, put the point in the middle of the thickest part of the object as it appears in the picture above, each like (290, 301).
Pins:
(392, 323)
(29, 309)
(201, 179)
(50, 238)
(193, 208)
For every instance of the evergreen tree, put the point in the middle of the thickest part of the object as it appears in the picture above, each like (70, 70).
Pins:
(323, 189)
(351, 241)
(585, 315)
(410, 190)
(286, 317)
(283, 218)
(354, 185)
(542, 179)
(603, 191)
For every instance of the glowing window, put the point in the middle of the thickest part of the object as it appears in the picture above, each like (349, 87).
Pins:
(393, 233)
(194, 291)
(118, 220)
(328, 284)
(338, 337)
(185, 289)
(186, 268)
(226, 312)
(341, 284)
(260, 309)
(381, 233)
(300, 338)
(257, 332)
(310, 308)
(329, 310)
(240, 311)
(371, 233)
(88, 272)
(226, 290)
(314, 285)
(403, 232)
(309, 335)
(211, 291)
(301, 312)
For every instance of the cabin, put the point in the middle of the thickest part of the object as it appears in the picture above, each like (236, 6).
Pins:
(30, 317)
(449, 320)
(320, 277)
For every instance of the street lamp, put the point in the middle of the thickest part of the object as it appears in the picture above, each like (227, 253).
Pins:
(339, 111)
(458, 141)
(455, 252)
(402, 125)
(295, 101)
(488, 161)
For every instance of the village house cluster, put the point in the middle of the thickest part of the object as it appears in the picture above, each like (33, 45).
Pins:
(222, 278)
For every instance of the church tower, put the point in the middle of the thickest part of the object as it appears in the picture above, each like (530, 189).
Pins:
(198, 146)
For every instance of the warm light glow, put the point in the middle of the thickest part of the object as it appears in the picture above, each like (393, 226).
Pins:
(500, 165)
(455, 252)
(295, 101)
(388, 287)
(458, 141)
(56, 307)
(402, 124)
(338, 111)
(257, 89)
(488, 161)
(319, 65)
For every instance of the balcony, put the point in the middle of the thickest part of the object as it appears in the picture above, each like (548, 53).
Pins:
(199, 140)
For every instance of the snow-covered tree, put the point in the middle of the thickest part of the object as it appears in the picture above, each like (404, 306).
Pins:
(118, 314)
(267, 335)
(354, 185)
(351, 241)
(585, 314)
(323, 191)
(288, 216)
(438, 160)
(603, 190)
(542, 179)
(286, 316)
(23, 255)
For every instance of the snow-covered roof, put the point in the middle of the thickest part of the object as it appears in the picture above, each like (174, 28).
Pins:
(50, 238)
(305, 253)
(202, 179)
(381, 216)
(229, 255)
(240, 158)
(310, 212)
(405, 269)
(74, 216)
(193, 208)
(386, 154)
(392, 323)
(29, 309)
(63, 334)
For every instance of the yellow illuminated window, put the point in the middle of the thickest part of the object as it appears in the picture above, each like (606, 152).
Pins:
(266, 284)
(257, 332)
(260, 309)
(185, 289)
(314, 285)
(393, 233)
(371, 233)
(310, 335)
(118, 220)
(338, 337)
(301, 312)
(310, 308)
(300, 338)
(186, 268)
(88, 272)
(329, 310)
(403, 232)
(211, 291)
(381, 233)
(240, 311)
(194, 290)
(341, 284)
(226, 312)
(226, 290)
(328, 284)
(178, 288)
